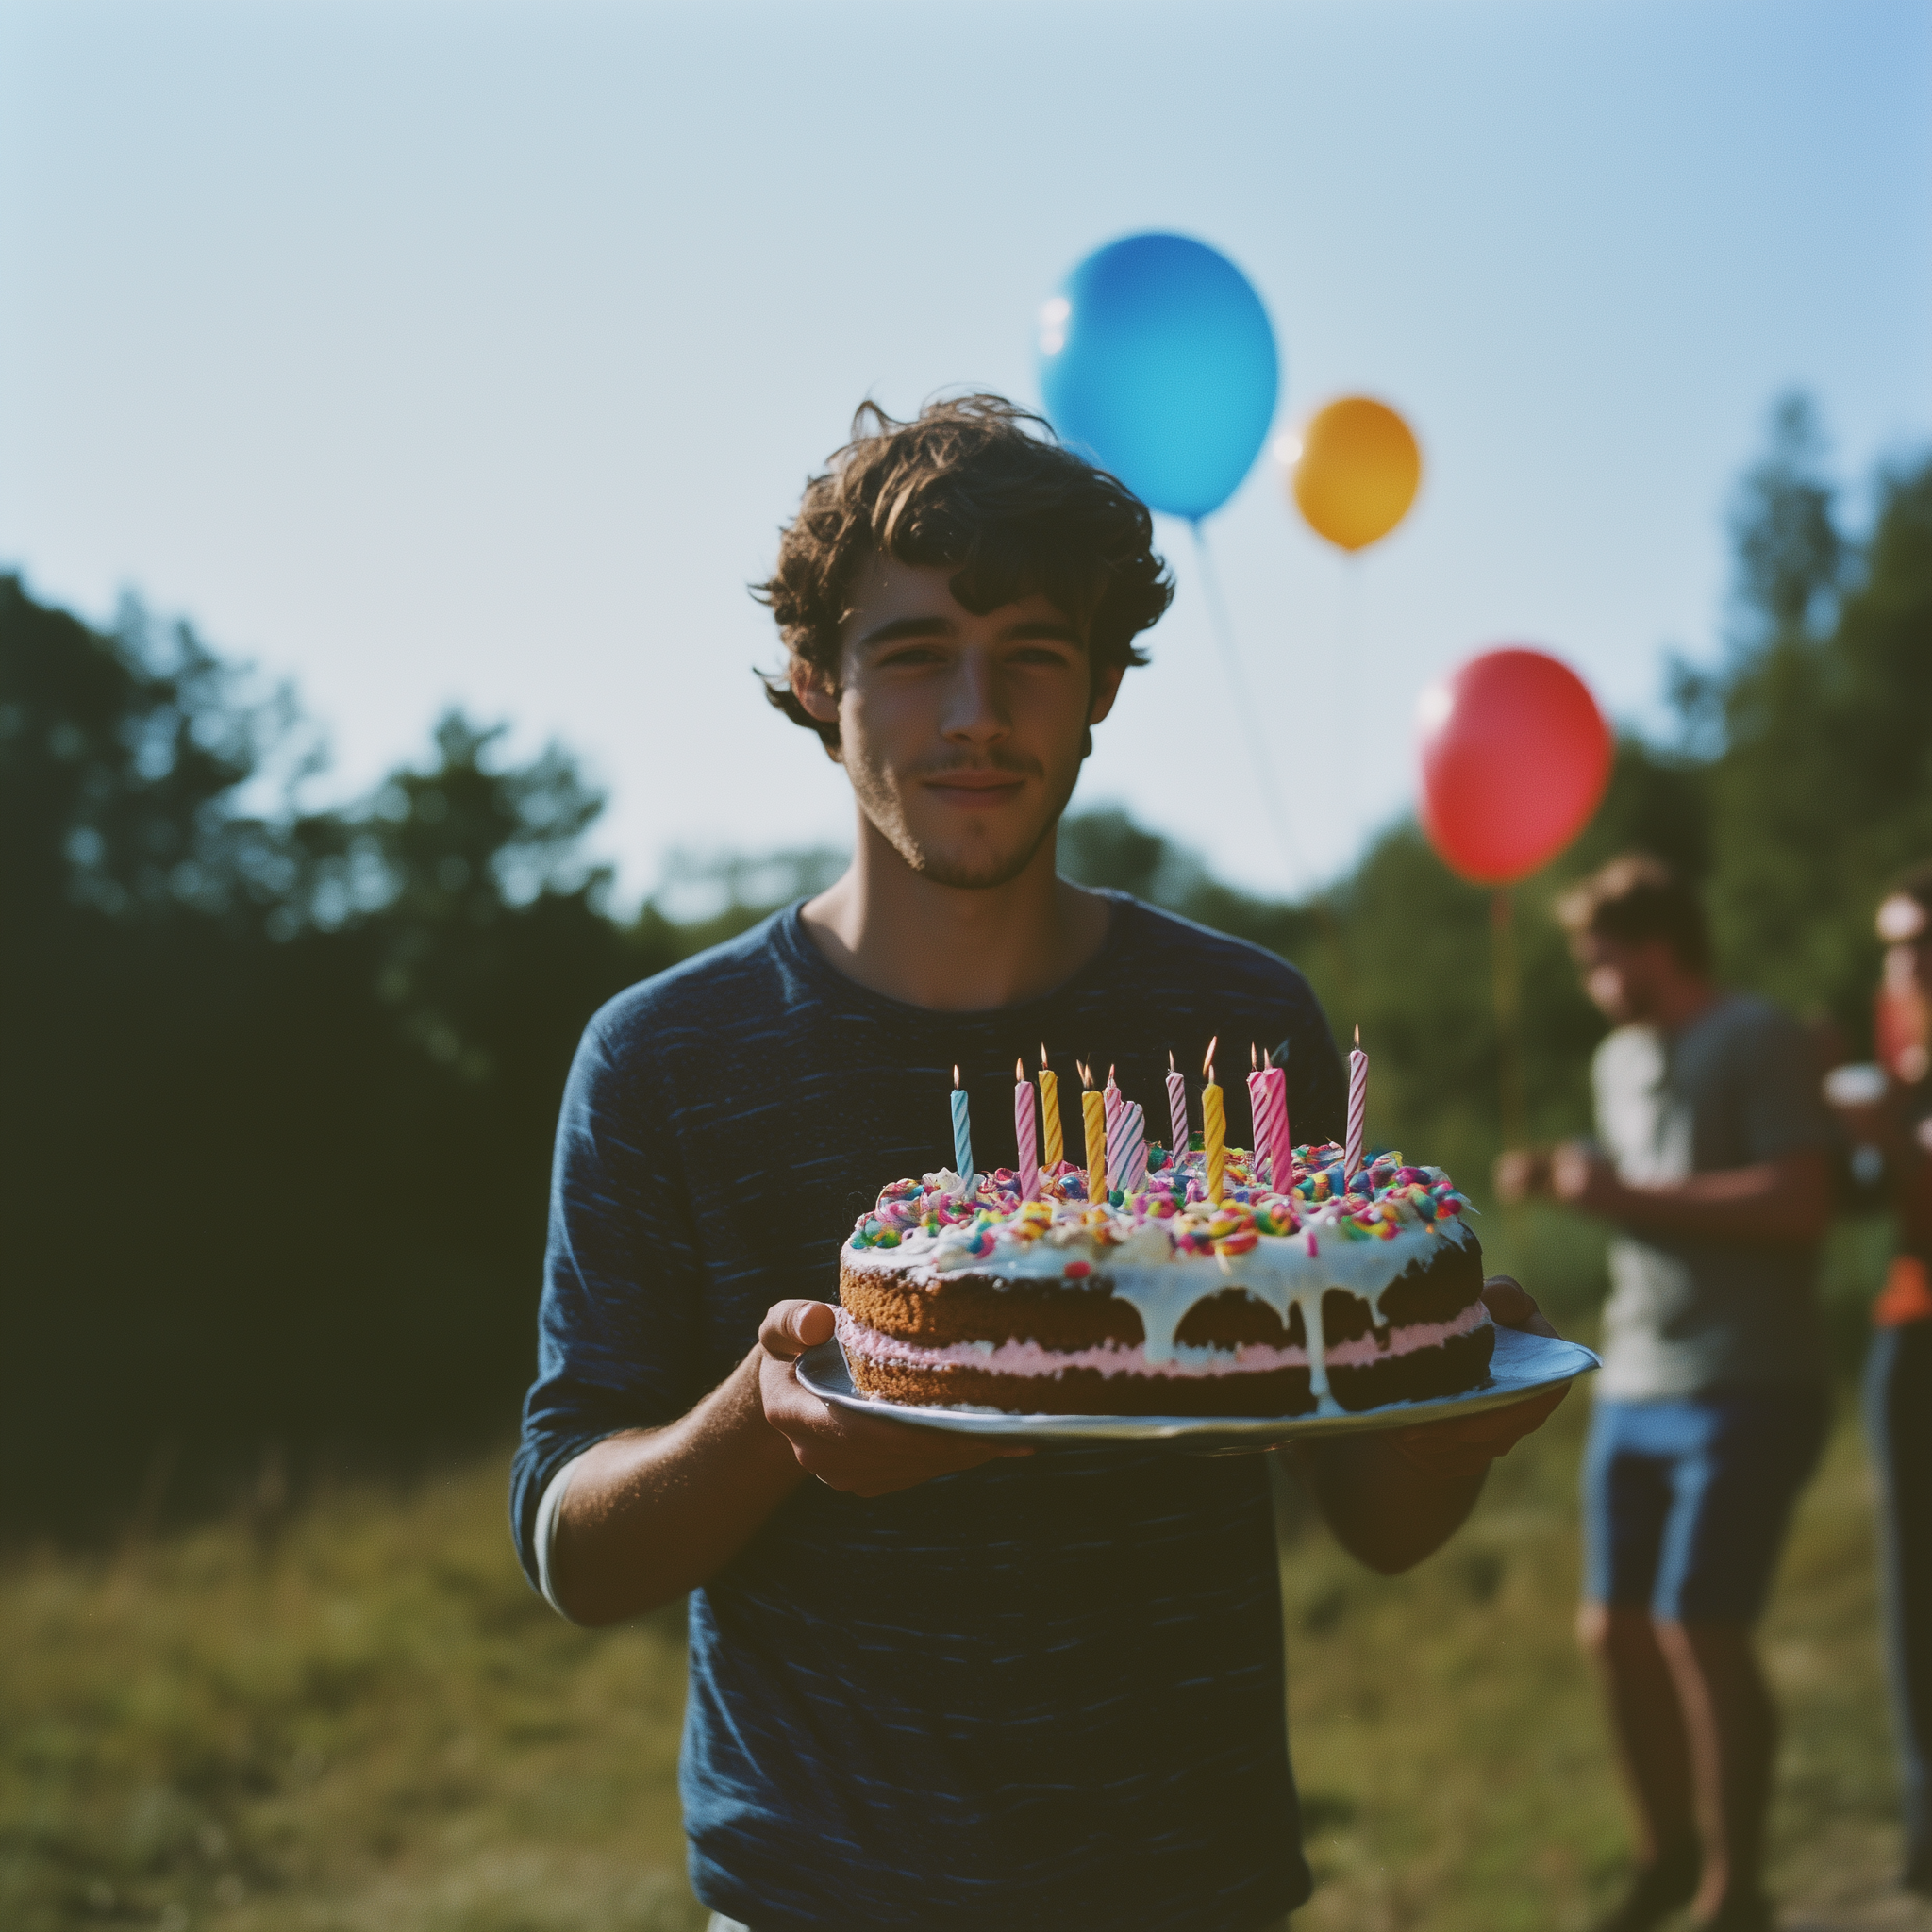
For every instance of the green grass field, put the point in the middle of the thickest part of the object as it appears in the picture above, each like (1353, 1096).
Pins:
(355, 1716)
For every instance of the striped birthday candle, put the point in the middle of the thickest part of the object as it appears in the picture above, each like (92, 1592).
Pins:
(962, 1139)
(1176, 1108)
(1358, 1109)
(1126, 1146)
(1280, 1142)
(1029, 1166)
(1137, 1176)
(1094, 1119)
(1258, 1112)
(1213, 1128)
(1050, 1112)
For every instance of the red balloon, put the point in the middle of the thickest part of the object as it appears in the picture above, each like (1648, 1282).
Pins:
(1515, 759)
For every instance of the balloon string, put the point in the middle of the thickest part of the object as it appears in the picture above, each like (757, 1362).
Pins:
(1351, 606)
(1507, 988)
(1246, 708)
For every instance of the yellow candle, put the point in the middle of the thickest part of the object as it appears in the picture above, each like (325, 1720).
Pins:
(1094, 1112)
(1213, 1130)
(1050, 1113)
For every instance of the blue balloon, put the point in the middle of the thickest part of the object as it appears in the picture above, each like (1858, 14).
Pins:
(1156, 359)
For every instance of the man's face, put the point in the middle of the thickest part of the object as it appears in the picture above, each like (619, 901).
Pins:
(1907, 935)
(1623, 977)
(962, 734)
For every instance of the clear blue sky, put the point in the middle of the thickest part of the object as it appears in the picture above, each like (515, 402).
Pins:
(452, 352)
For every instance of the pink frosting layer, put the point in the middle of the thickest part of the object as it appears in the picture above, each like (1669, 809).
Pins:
(1030, 1359)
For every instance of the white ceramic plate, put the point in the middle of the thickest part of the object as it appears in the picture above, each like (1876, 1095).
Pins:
(1521, 1365)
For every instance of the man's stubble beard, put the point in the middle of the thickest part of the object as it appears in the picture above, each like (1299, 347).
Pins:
(881, 806)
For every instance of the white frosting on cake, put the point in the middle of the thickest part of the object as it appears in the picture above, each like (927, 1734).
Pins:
(1181, 1360)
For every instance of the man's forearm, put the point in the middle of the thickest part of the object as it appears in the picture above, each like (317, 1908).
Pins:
(652, 1513)
(1384, 1509)
(1768, 1202)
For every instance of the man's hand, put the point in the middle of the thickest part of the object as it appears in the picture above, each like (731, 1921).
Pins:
(869, 1456)
(1882, 1120)
(1788, 1199)
(1521, 1173)
(1394, 1496)
(651, 1513)
(1575, 1174)
(1456, 1449)
(1867, 1123)
(1582, 1179)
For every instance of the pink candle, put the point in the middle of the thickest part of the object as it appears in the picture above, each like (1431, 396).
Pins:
(1110, 1099)
(1358, 1109)
(1028, 1163)
(1177, 1110)
(1275, 1111)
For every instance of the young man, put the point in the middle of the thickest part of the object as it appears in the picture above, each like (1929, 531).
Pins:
(1898, 1368)
(1711, 1410)
(934, 1682)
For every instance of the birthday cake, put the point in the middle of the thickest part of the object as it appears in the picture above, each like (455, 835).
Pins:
(1197, 1287)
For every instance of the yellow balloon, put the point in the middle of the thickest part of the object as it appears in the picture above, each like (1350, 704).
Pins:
(1358, 471)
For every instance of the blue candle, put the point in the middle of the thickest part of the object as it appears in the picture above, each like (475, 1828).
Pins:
(962, 1136)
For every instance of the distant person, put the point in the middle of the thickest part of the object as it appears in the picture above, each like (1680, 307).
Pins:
(1895, 1124)
(935, 1681)
(1711, 1411)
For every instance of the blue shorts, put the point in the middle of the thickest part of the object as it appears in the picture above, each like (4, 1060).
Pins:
(1685, 1503)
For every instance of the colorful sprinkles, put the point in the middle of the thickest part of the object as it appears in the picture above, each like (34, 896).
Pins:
(1382, 1199)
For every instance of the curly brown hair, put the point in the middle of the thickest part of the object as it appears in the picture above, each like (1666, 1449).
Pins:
(979, 485)
(1634, 898)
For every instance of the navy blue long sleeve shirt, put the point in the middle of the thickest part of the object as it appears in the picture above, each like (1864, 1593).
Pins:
(1039, 1693)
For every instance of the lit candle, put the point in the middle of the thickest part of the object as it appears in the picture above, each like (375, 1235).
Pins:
(1358, 1109)
(1257, 1112)
(1050, 1112)
(1280, 1140)
(1214, 1126)
(1176, 1108)
(1023, 1133)
(962, 1139)
(1093, 1115)
(1110, 1093)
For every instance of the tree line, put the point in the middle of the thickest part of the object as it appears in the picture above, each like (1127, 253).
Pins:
(277, 1085)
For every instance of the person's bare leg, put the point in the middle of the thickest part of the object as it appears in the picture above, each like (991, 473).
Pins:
(1731, 1725)
(1652, 1751)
